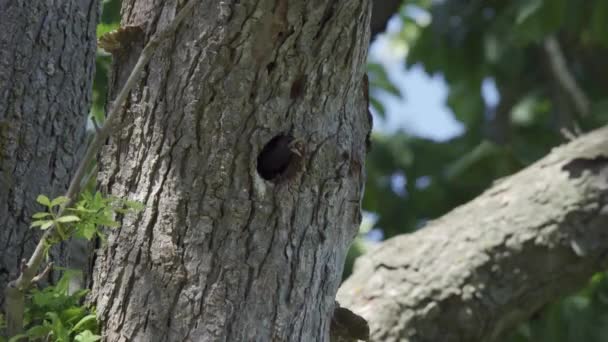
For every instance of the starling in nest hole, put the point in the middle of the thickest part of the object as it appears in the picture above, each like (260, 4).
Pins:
(280, 157)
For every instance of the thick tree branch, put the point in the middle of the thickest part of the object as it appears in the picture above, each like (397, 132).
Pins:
(475, 273)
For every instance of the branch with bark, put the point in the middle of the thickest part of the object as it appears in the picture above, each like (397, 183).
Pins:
(477, 272)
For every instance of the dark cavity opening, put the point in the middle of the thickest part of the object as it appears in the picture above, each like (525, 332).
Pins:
(270, 67)
(276, 157)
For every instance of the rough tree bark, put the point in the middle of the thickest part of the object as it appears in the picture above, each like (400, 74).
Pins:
(220, 253)
(47, 60)
(487, 265)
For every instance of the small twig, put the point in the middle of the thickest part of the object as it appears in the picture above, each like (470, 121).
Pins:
(571, 134)
(42, 274)
(564, 77)
(15, 292)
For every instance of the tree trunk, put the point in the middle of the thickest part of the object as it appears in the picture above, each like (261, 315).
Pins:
(475, 273)
(245, 140)
(47, 59)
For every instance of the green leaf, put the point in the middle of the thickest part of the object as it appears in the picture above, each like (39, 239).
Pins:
(88, 319)
(17, 338)
(87, 196)
(82, 209)
(103, 28)
(80, 293)
(47, 225)
(87, 336)
(41, 215)
(86, 231)
(38, 331)
(68, 218)
(44, 225)
(98, 199)
(42, 299)
(72, 314)
(59, 201)
(40, 223)
(42, 199)
(60, 333)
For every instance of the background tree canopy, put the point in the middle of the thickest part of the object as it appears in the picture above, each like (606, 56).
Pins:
(547, 59)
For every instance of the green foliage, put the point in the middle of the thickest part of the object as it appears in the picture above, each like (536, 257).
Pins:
(44, 220)
(412, 180)
(85, 218)
(580, 317)
(110, 18)
(468, 42)
(95, 210)
(55, 314)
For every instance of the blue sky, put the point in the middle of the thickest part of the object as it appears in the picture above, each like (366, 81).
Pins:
(422, 109)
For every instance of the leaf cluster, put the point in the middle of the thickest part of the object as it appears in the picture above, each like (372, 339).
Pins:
(55, 314)
(86, 219)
